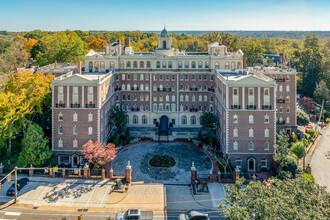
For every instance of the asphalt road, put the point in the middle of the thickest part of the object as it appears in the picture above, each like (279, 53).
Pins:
(320, 162)
(20, 214)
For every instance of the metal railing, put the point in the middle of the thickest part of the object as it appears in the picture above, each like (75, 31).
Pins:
(235, 107)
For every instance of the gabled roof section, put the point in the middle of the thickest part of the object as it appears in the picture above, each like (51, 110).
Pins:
(214, 44)
(75, 79)
(252, 80)
(91, 52)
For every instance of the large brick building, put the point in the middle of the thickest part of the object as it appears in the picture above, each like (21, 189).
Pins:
(165, 93)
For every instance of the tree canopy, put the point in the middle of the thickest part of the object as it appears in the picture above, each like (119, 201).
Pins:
(297, 198)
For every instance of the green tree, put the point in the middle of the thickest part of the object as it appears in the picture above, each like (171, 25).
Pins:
(282, 149)
(321, 93)
(253, 51)
(302, 117)
(200, 137)
(35, 149)
(118, 117)
(209, 122)
(127, 136)
(298, 149)
(61, 47)
(297, 198)
(116, 139)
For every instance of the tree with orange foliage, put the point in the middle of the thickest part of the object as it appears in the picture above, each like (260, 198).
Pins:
(97, 44)
(98, 154)
(29, 44)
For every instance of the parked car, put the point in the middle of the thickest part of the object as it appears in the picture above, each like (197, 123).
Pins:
(20, 184)
(4, 180)
(134, 214)
(194, 215)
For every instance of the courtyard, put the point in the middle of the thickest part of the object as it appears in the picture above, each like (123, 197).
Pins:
(140, 154)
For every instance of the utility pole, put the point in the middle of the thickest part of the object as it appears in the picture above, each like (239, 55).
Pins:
(15, 185)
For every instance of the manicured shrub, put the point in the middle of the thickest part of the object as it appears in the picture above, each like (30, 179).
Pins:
(302, 118)
(298, 149)
(309, 176)
(291, 165)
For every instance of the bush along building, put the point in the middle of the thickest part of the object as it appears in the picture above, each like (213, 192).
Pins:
(165, 93)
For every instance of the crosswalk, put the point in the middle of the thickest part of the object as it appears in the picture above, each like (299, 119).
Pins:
(10, 215)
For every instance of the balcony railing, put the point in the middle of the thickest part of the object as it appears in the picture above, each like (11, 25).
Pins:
(135, 110)
(210, 90)
(280, 80)
(280, 101)
(60, 105)
(76, 105)
(267, 107)
(90, 105)
(164, 89)
(235, 107)
(136, 89)
(117, 89)
(280, 122)
(193, 110)
(251, 106)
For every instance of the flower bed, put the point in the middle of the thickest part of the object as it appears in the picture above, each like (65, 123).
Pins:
(162, 161)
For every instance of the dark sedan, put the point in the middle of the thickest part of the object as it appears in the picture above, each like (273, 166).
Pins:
(20, 184)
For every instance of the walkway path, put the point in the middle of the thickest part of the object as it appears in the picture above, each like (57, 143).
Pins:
(320, 162)
(140, 154)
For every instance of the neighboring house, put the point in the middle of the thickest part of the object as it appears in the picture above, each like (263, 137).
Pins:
(307, 103)
(277, 59)
(165, 93)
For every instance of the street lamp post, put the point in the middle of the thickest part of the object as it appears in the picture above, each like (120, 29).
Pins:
(15, 185)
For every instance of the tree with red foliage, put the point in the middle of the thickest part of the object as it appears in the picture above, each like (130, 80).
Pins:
(97, 44)
(98, 154)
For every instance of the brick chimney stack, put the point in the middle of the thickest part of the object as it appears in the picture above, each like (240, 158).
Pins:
(79, 67)
(127, 43)
(244, 61)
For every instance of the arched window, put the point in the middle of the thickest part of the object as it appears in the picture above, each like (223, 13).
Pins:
(128, 87)
(288, 109)
(164, 44)
(233, 66)
(288, 98)
(161, 87)
(227, 65)
(135, 119)
(141, 87)
(128, 64)
(102, 65)
(186, 64)
(147, 87)
(135, 64)
(144, 120)
(184, 120)
(193, 64)
(288, 120)
(141, 76)
(141, 64)
(127, 121)
(207, 65)
(112, 64)
(122, 66)
(123, 87)
(217, 65)
(148, 64)
(170, 64)
(173, 107)
(179, 64)
(239, 65)
(90, 66)
(164, 64)
(158, 64)
(96, 66)
(193, 120)
(200, 65)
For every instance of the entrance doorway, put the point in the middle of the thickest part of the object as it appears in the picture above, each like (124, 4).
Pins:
(75, 160)
(251, 164)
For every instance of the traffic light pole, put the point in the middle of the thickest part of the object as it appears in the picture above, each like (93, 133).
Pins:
(15, 185)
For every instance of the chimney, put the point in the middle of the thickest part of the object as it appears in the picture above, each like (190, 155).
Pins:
(118, 42)
(223, 40)
(281, 61)
(79, 67)
(244, 62)
(127, 43)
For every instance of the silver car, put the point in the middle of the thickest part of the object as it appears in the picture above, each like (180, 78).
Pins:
(194, 215)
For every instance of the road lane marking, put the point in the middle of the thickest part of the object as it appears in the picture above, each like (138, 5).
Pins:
(13, 213)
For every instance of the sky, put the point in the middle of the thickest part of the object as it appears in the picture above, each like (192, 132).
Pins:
(151, 15)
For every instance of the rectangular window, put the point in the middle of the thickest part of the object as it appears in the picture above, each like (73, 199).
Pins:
(287, 88)
(235, 132)
(251, 145)
(75, 130)
(90, 117)
(266, 132)
(251, 133)
(75, 143)
(75, 117)
(266, 146)
(266, 119)
(251, 96)
(90, 130)
(60, 130)
(128, 76)
(75, 95)
(60, 95)
(173, 77)
(60, 117)
(235, 145)
(250, 119)
(266, 96)
(235, 96)
(90, 95)
(60, 143)
(235, 119)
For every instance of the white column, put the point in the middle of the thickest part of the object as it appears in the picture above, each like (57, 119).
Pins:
(68, 96)
(259, 107)
(98, 97)
(243, 97)
(53, 95)
(82, 96)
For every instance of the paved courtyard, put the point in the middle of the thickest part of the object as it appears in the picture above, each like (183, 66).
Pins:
(183, 154)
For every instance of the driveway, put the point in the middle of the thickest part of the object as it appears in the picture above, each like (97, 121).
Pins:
(320, 162)
(183, 154)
